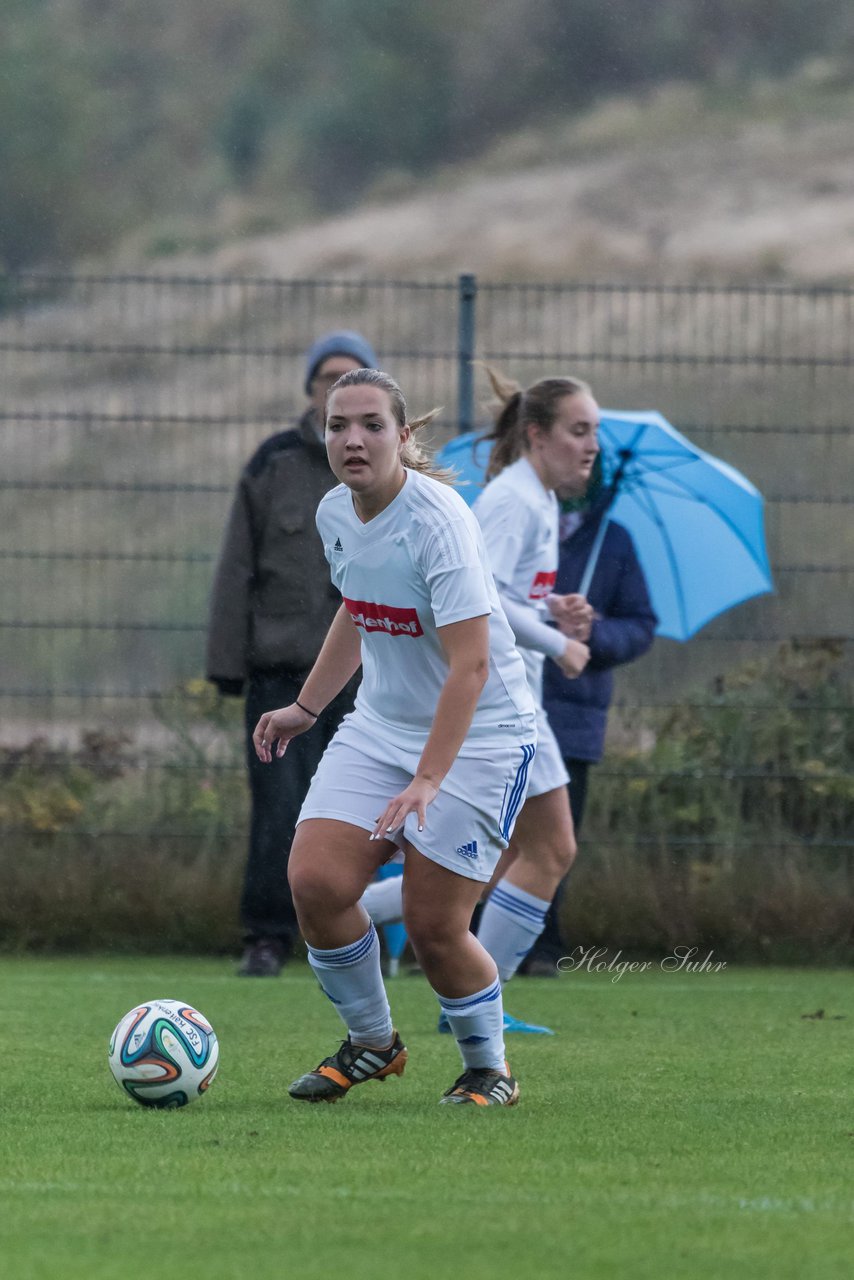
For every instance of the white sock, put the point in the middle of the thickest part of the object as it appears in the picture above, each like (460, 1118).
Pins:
(351, 978)
(477, 1022)
(383, 900)
(510, 924)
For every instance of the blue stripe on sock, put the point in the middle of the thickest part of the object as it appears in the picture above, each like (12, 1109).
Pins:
(343, 956)
(469, 1002)
(516, 907)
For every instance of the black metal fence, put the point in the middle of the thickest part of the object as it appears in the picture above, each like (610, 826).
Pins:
(128, 405)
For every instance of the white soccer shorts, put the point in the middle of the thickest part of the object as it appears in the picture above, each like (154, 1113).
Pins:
(548, 771)
(469, 822)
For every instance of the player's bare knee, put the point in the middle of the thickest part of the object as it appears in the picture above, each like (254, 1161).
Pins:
(433, 954)
(311, 891)
(551, 858)
(555, 859)
(417, 926)
(430, 935)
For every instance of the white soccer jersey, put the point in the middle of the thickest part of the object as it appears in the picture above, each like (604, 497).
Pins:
(419, 565)
(519, 519)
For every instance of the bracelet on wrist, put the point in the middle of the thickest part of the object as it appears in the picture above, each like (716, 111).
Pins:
(313, 714)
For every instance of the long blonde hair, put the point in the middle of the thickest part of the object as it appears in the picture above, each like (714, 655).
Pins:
(413, 455)
(518, 409)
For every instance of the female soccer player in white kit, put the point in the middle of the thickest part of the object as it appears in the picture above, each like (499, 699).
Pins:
(433, 760)
(545, 437)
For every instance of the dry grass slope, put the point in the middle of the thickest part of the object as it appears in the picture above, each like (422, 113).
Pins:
(674, 185)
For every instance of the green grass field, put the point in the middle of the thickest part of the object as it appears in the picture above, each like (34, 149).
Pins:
(685, 1125)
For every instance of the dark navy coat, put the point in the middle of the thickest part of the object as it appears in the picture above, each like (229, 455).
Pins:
(578, 709)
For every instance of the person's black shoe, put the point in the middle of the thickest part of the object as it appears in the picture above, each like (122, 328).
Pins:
(262, 958)
(483, 1087)
(352, 1064)
(539, 964)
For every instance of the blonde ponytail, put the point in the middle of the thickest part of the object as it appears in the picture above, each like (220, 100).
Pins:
(516, 410)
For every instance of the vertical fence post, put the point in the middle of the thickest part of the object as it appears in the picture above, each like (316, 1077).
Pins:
(467, 285)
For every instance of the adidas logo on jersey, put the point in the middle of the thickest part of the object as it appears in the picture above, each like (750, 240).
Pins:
(337, 546)
(468, 850)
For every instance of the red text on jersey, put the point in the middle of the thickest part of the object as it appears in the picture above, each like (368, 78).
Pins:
(384, 617)
(542, 585)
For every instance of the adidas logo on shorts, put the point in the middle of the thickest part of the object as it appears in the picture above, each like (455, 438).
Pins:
(468, 850)
(337, 546)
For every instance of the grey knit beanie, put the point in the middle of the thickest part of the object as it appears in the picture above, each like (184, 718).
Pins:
(343, 342)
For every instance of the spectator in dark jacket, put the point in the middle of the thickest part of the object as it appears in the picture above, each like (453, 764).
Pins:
(617, 623)
(271, 606)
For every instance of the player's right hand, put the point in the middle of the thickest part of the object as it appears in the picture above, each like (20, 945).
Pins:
(278, 727)
(413, 799)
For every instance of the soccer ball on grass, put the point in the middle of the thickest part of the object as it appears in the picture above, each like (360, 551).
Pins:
(164, 1053)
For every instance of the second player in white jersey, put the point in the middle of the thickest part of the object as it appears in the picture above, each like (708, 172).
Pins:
(518, 513)
(543, 436)
(519, 517)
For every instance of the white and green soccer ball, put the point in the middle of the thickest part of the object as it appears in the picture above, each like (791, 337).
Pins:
(164, 1053)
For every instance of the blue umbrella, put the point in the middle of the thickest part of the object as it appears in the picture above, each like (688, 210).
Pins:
(467, 455)
(697, 523)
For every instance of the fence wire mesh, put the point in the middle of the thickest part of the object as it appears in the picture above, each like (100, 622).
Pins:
(129, 405)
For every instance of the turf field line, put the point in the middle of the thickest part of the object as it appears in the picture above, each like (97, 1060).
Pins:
(782, 1205)
(626, 983)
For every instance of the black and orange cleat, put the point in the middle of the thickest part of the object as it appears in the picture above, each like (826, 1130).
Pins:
(485, 1087)
(352, 1064)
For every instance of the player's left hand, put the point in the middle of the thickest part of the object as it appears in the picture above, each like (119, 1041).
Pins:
(414, 799)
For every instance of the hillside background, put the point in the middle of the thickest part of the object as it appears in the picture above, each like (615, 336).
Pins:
(644, 138)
